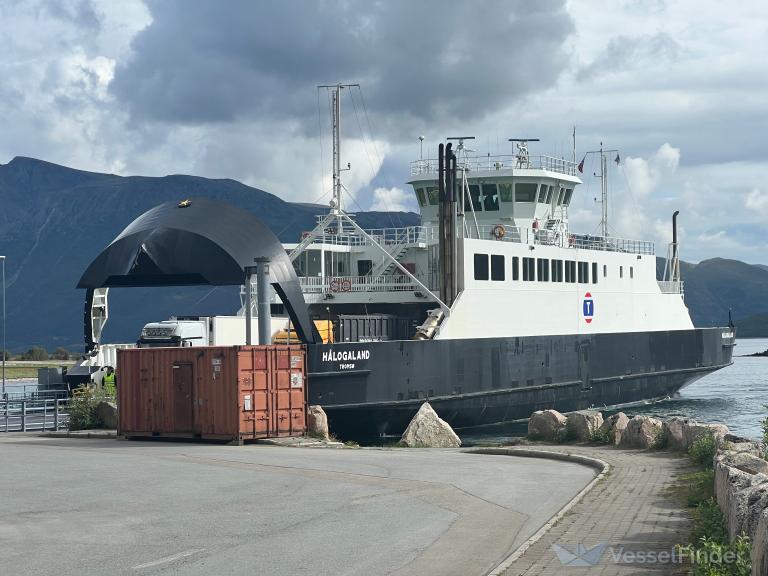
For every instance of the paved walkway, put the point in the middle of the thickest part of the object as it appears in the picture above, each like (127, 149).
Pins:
(629, 513)
(82, 507)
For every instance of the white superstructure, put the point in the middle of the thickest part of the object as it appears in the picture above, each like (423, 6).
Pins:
(523, 271)
(520, 269)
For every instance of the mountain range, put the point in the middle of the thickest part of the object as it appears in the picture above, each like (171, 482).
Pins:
(54, 220)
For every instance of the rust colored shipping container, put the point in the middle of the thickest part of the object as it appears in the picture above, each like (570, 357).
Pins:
(231, 393)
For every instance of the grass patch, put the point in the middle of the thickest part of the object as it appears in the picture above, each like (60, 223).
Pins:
(694, 488)
(709, 552)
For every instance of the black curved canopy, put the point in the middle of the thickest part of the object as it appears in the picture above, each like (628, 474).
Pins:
(198, 242)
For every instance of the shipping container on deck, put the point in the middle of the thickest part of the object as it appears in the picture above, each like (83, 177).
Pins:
(233, 393)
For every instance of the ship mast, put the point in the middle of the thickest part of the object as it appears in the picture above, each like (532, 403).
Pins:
(337, 208)
(603, 185)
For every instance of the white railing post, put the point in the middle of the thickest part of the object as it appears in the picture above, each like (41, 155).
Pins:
(55, 414)
(23, 415)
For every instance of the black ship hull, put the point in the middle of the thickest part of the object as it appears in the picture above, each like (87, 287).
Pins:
(375, 388)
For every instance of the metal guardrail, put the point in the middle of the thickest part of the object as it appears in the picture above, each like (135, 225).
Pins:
(555, 238)
(384, 236)
(29, 415)
(343, 284)
(499, 162)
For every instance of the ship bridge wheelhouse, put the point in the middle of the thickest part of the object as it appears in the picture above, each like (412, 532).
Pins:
(534, 194)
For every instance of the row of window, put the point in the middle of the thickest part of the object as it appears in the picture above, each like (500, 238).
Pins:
(486, 197)
(541, 269)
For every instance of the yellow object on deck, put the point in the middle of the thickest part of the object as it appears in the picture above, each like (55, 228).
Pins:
(324, 327)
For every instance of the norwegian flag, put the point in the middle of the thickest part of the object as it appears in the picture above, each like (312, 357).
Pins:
(581, 165)
(617, 159)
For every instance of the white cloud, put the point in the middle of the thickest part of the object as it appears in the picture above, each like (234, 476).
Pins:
(645, 175)
(757, 200)
(392, 200)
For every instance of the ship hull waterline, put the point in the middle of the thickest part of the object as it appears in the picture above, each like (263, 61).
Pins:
(374, 388)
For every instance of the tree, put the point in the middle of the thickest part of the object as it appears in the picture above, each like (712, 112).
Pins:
(60, 354)
(37, 353)
(5, 354)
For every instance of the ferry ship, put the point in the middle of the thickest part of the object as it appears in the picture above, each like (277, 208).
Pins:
(492, 307)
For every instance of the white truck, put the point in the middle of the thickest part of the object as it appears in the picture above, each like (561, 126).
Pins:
(203, 331)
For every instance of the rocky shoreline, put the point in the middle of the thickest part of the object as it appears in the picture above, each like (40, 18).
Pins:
(741, 472)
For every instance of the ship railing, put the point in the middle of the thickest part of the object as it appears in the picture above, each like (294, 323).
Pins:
(670, 287)
(499, 162)
(555, 237)
(345, 284)
(384, 236)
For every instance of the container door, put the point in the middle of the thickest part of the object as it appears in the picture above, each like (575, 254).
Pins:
(255, 408)
(288, 380)
(182, 397)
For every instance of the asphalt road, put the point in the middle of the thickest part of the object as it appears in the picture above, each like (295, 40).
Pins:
(93, 507)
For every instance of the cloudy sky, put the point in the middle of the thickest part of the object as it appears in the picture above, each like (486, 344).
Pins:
(228, 89)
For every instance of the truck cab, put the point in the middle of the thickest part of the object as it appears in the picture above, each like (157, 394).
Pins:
(174, 333)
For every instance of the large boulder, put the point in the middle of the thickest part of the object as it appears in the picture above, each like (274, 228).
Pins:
(106, 415)
(428, 430)
(582, 424)
(317, 423)
(693, 430)
(547, 425)
(760, 546)
(674, 433)
(641, 432)
(615, 426)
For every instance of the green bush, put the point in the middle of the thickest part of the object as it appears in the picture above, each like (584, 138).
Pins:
(82, 407)
(709, 523)
(703, 450)
(660, 440)
(601, 436)
(712, 558)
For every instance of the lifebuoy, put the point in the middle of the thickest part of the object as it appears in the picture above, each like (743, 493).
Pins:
(498, 231)
(334, 285)
(571, 240)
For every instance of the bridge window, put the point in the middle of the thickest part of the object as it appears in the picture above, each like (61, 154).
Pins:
(542, 268)
(432, 195)
(605, 271)
(490, 198)
(557, 270)
(594, 272)
(567, 197)
(481, 266)
(515, 268)
(529, 269)
(549, 194)
(421, 196)
(542, 193)
(631, 272)
(621, 271)
(583, 272)
(505, 193)
(570, 271)
(497, 267)
(474, 194)
(525, 191)
(560, 196)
